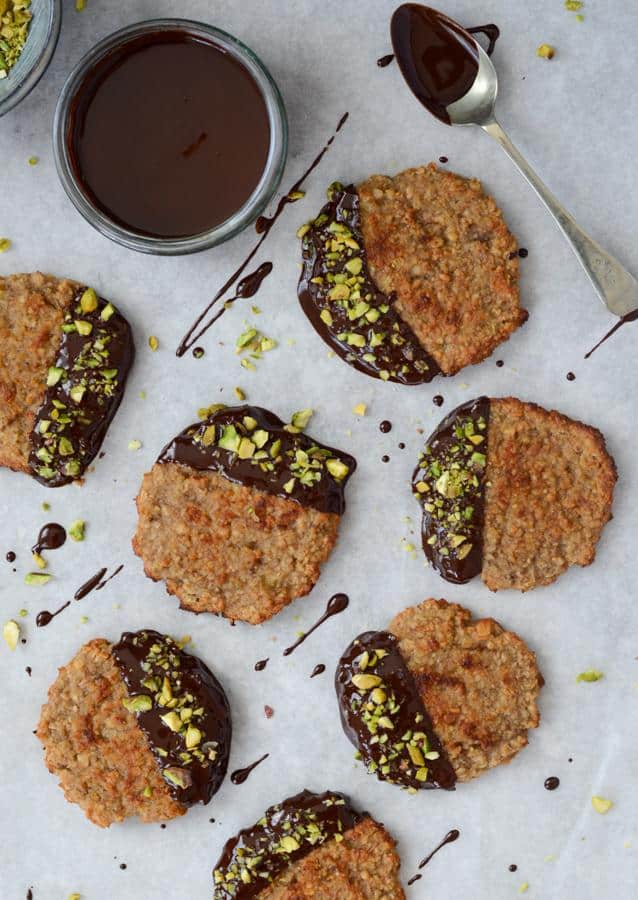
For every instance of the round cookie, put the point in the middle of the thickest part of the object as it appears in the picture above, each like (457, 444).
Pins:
(438, 697)
(310, 846)
(239, 513)
(65, 360)
(136, 728)
(512, 492)
(412, 276)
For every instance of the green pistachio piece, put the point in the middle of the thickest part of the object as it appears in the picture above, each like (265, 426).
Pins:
(65, 447)
(107, 312)
(37, 578)
(172, 721)
(590, 675)
(246, 449)
(249, 423)
(141, 703)
(337, 469)
(260, 438)
(289, 844)
(229, 439)
(193, 737)
(366, 682)
(181, 778)
(77, 392)
(11, 634)
(289, 486)
(76, 530)
(83, 327)
(301, 418)
(88, 301)
(55, 373)
(415, 755)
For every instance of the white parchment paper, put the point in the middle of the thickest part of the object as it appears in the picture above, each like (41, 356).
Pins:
(575, 119)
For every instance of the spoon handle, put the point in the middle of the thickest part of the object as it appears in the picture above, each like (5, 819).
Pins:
(617, 289)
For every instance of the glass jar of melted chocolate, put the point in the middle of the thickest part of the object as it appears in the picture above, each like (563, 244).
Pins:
(170, 136)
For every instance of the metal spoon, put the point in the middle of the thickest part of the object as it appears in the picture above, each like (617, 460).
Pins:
(617, 289)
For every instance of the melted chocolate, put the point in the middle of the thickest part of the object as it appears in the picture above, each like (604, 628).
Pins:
(385, 459)
(385, 426)
(319, 669)
(344, 305)
(570, 376)
(94, 583)
(414, 878)
(492, 33)
(378, 724)
(169, 176)
(337, 604)
(500, 363)
(281, 474)
(240, 775)
(10, 557)
(523, 253)
(256, 856)
(44, 617)
(449, 483)
(551, 783)
(194, 759)
(437, 57)
(384, 61)
(103, 584)
(438, 400)
(401, 445)
(247, 287)
(90, 585)
(449, 838)
(629, 317)
(85, 387)
(513, 867)
(51, 537)
(261, 664)
(193, 334)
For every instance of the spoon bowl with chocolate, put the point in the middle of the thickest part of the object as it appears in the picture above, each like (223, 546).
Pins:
(170, 136)
(454, 78)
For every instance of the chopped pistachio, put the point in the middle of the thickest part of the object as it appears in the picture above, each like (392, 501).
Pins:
(141, 703)
(546, 51)
(83, 327)
(80, 5)
(22, 613)
(37, 578)
(11, 634)
(360, 409)
(134, 445)
(573, 5)
(84, 619)
(179, 777)
(153, 343)
(229, 439)
(76, 530)
(54, 374)
(40, 562)
(523, 888)
(301, 418)
(33, 160)
(589, 675)
(76, 896)
(601, 805)
(239, 394)
(289, 486)
(172, 721)
(88, 301)
(246, 449)
(148, 792)
(193, 737)
(5, 244)
(337, 468)
(46, 506)
(366, 682)
(107, 312)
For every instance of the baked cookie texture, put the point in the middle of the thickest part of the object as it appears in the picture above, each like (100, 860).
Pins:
(226, 548)
(478, 682)
(32, 310)
(95, 747)
(438, 243)
(363, 866)
(548, 495)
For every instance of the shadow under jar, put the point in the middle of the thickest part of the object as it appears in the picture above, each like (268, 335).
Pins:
(170, 136)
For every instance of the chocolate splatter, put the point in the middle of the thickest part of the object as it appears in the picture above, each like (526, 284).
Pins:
(438, 400)
(51, 536)
(629, 317)
(247, 287)
(319, 669)
(336, 604)
(261, 664)
(266, 224)
(570, 376)
(385, 426)
(240, 775)
(449, 838)
(513, 867)
(551, 783)
(384, 61)
(10, 557)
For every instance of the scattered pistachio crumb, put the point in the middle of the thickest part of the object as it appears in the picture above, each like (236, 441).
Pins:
(546, 51)
(77, 896)
(360, 409)
(601, 805)
(573, 5)
(550, 858)
(301, 418)
(134, 445)
(524, 887)
(589, 675)
(5, 244)
(33, 160)
(626, 845)
(579, 18)
(84, 619)
(40, 561)
(37, 578)
(80, 5)
(255, 310)
(153, 343)
(46, 506)
(142, 395)
(76, 530)
(239, 394)
(23, 613)
(11, 634)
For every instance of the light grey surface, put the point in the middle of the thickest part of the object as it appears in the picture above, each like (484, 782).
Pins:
(570, 116)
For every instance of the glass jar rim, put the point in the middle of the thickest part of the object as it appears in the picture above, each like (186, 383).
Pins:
(261, 195)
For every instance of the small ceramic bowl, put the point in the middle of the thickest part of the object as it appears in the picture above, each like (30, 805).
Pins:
(64, 123)
(36, 56)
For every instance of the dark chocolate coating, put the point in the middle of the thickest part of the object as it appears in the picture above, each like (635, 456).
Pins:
(378, 726)
(437, 57)
(280, 838)
(192, 774)
(198, 448)
(449, 482)
(99, 362)
(389, 349)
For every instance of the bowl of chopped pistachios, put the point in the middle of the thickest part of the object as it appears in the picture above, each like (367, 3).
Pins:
(29, 31)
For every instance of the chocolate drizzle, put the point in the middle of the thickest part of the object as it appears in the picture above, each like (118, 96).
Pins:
(624, 320)
(197, 329)
(84, 389)
(438, 58)
(240, 775)
(449, 838)
(449, 484)
(492, 33)
(342, 302)
(337, 604)
(261, 664)
(182, 710)
(286, 833)
(51, 537)
(384, 717)
(384, 61)
(90, 585)
(247, 287)
(283, 462)
(95, 582)
(319, 669)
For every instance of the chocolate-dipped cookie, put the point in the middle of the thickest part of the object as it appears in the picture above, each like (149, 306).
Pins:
(410, 277)
(136, 728)
(65, 360)
(438, 697)
(513, 493)
(239, 513)
(310, 845)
